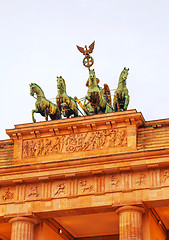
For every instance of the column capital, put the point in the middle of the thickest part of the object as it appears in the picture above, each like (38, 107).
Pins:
(24, 219)
(130, 209)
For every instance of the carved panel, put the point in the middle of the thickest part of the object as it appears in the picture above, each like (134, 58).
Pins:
(42, 147)
(140, 180)
(8, 194)
(113, 182)
(33, 191)
(86, 186)
(75, 143)
(165, 177)
(59, 189)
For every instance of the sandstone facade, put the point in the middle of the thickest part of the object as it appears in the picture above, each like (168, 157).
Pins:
(95, 177)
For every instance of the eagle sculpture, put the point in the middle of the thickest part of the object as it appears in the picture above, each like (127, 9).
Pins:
(86, 51)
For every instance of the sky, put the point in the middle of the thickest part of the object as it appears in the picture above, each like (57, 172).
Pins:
(38, 41)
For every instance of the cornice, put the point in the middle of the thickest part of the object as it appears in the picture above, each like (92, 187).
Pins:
(75, 125)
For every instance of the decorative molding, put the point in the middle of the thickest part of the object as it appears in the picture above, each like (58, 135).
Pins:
(73, 188)
(127, 181)
(46, 190)
(100, 184)
(155, 178)
(20, 192)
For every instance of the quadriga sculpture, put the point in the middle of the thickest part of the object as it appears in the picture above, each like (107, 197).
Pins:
(95, 96)
(43, 106)
(66, 104)
(121, 96)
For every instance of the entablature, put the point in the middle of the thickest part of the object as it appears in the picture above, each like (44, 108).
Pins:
(80, 137)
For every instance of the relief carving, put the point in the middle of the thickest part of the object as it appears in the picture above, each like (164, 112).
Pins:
(74, 143)
(42, 147)
(60, 189)
(114, 182)
(166, 175)
(33, 191)
(8, 195)
(141, 179)
(84, 186)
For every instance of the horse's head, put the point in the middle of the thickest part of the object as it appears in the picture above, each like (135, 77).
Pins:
(34, 88)
(61, 85)
(123, 77)
(124, 74)
(92, 79)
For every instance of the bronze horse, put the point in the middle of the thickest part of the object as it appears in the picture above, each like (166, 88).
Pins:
(66, 104)
(43, 106)
(121, 96)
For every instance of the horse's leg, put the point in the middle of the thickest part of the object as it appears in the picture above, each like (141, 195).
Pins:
(115, 102)
(46, 114)
(85, 106)
(34, 111)
(126, 102)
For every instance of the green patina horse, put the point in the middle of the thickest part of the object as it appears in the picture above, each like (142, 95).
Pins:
(95, 96)
(66, 104)
(121, 96)
(43, 106)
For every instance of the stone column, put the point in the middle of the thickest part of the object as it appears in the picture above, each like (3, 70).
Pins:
(130, 222)
(23, 228)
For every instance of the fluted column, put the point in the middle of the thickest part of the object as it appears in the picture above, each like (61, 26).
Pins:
(23, 228)
(130, 222)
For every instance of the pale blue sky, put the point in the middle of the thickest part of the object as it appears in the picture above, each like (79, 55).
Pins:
(38, 42)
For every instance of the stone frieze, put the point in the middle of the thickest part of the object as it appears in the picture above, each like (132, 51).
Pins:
(125, 181)
(113, 138)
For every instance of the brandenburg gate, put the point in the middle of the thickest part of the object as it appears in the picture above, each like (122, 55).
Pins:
(99, 175)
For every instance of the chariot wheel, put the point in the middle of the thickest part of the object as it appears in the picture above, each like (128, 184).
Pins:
(88, 61)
